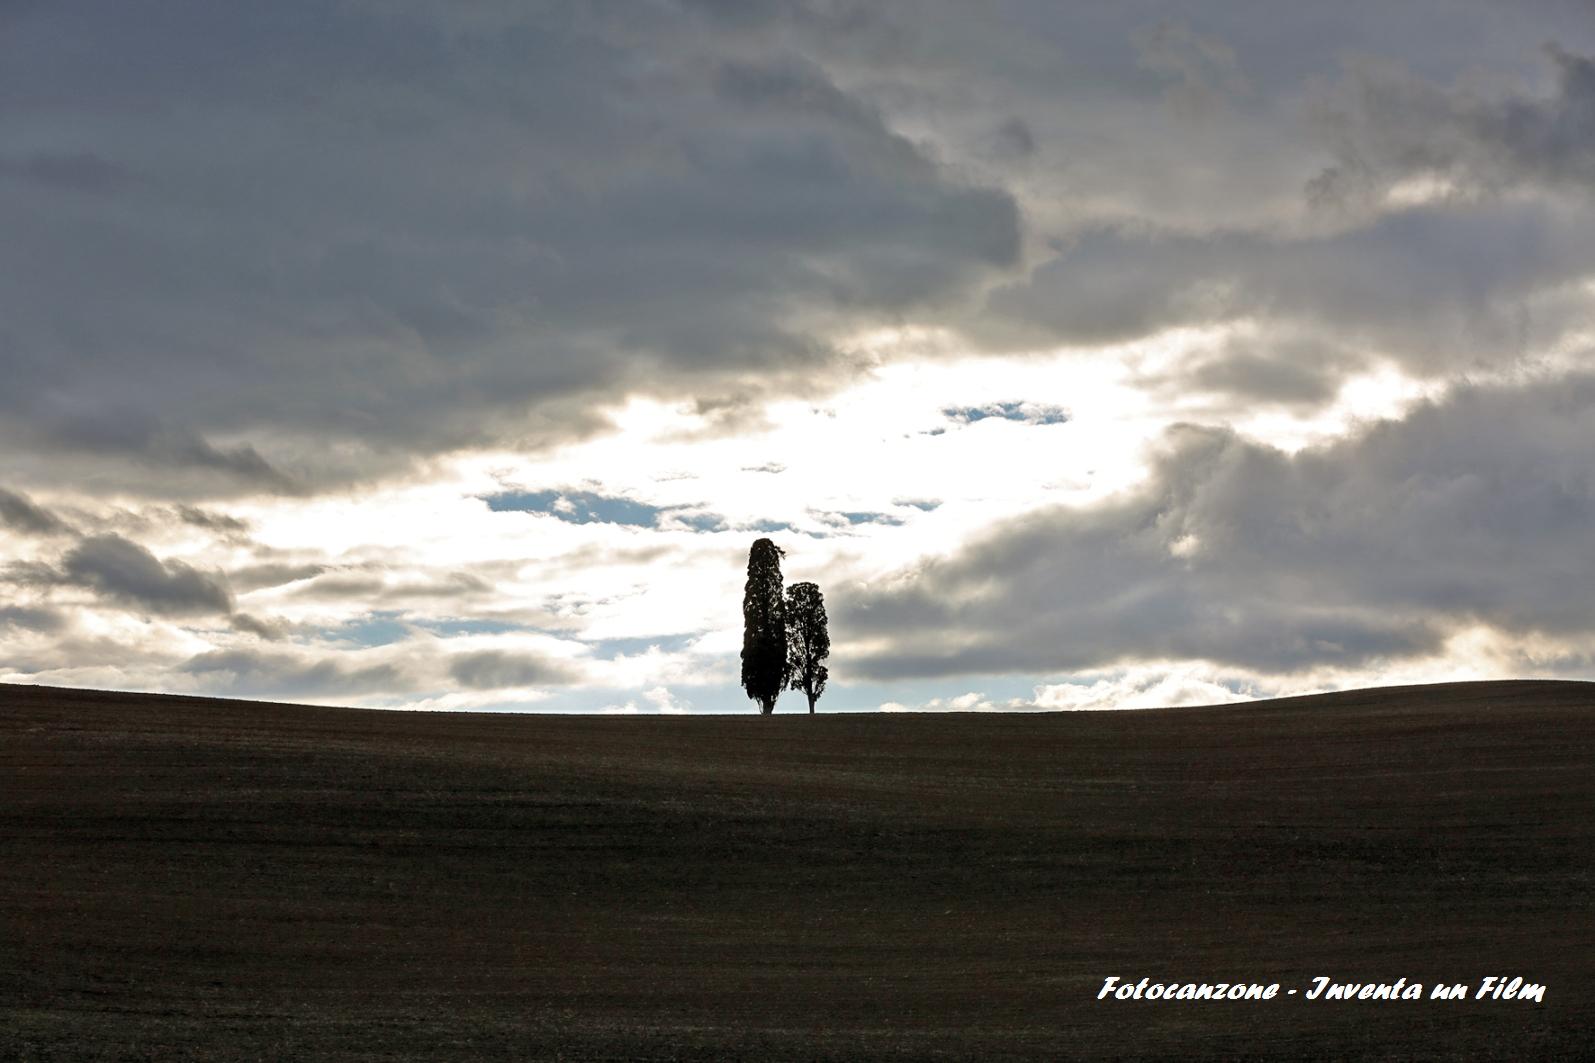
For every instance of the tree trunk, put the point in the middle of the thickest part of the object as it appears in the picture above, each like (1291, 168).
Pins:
(811, 702)
(766, 706)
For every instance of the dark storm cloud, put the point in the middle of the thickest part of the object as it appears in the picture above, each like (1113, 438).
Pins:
(1202, 70)
(1387, 124)
(1477, 509)
(127, 573)
(1441, 287)
(268, 628)
(397, 227)
(1108, 91)
(73, 171)
(258, 250)
(162, 447)
(1300, 371)
(1284, 369)
(31, 618)
(1154, 221)
(492, 669)
(1013, 139)
(19, 512)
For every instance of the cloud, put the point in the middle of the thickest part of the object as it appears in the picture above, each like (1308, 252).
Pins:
(291, 291)
(1439, 287)
(660, 700)
(267, 628)
(1474, 510)
(973, 701)
(272, 574)
(1387, 125)
(127, 573)
(1291, 369)
(720, 204)
(373, 583)
(21, 513)
(492, 669)
(283, 673)
(1013, 139)
(1148, 688)
(79, 172)
(700, 212)
(161, 448)
(212, 521)
(31, 618)
(666, 702)
(1203, 70)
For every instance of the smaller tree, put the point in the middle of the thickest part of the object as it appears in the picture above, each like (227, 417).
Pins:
(808, 642)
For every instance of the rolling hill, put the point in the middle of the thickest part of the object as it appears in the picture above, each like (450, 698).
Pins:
(189, 878)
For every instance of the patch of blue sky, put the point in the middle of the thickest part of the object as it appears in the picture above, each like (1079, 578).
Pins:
(577, 507)
(782, 527)
(630, 647)
(379, 628)
(1024, 412)
(700, 522)
(590, 507)
(864, 517)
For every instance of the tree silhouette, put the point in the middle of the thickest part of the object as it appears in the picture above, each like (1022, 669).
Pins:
(764, 627)
(807, 641)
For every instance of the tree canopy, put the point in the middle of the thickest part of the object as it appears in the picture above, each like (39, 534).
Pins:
(764, 646)
(808, 642)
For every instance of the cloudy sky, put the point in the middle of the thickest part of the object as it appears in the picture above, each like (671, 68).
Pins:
(1087, 355)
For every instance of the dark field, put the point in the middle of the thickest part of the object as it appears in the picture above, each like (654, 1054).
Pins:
(193, 879)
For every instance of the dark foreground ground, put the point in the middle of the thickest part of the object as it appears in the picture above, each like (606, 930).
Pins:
(194, 879)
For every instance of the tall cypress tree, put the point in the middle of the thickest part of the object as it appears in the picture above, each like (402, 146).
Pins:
(807, 640)
(764, 627)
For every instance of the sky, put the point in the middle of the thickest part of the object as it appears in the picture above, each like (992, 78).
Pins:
(1088, 356)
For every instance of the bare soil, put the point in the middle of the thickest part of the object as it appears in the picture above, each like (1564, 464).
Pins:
(185, 878)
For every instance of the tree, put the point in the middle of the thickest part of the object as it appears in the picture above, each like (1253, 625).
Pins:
(807, 641)
(764, 627)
